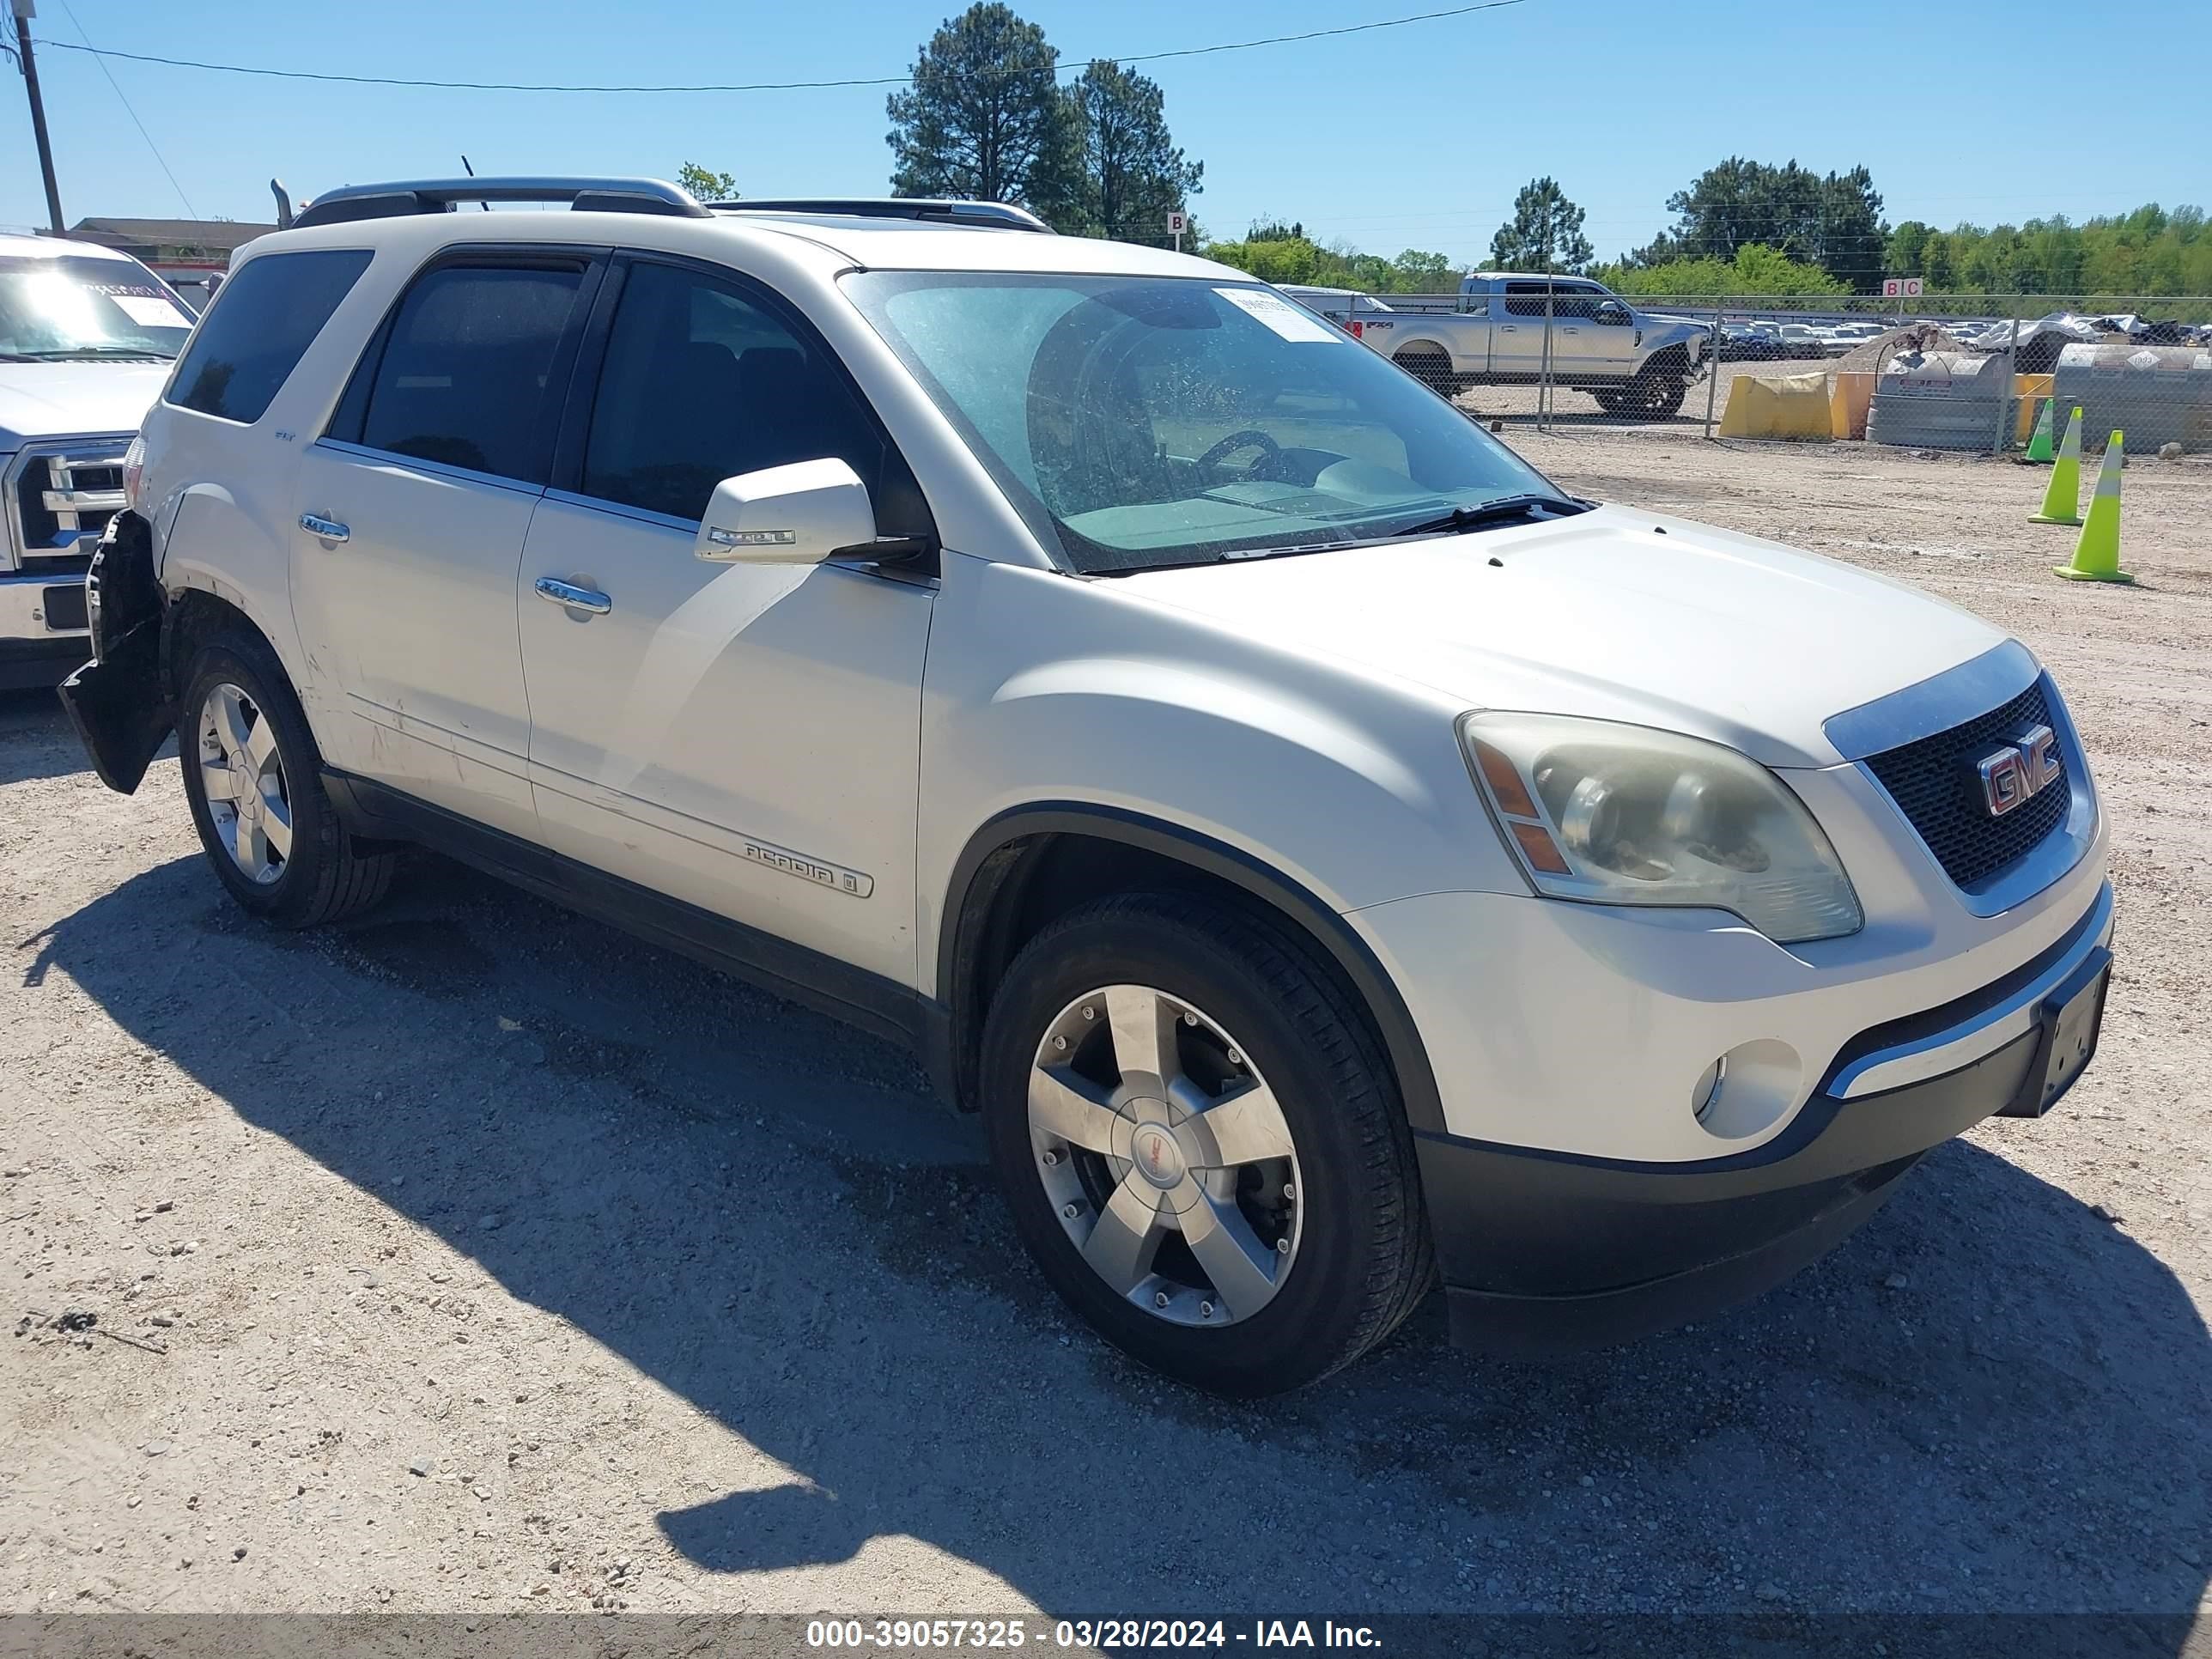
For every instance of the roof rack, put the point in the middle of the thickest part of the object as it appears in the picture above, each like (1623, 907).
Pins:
(440, 195)
(1003, 216)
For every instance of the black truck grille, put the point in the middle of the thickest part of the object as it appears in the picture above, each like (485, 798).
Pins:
(1935, 781)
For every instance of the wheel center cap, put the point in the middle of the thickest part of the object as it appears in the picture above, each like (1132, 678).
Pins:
(1157, 1156)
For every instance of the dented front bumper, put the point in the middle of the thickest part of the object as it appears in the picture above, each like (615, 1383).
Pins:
(119, 701)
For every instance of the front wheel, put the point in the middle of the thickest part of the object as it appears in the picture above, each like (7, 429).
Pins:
(1655, 394)
(1202, 1149)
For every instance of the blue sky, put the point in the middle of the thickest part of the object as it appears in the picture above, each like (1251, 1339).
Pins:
(1981, 110)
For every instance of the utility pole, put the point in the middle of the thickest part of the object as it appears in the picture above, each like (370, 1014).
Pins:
(25, 11)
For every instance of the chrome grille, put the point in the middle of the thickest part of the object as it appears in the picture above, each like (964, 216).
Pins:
(61, 498)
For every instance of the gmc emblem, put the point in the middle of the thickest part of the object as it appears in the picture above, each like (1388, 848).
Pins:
(2009, 775)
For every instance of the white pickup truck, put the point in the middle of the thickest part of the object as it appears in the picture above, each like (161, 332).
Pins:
(87, 337)
(1494, 335)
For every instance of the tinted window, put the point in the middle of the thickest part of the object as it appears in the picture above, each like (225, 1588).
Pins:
(463, 375)
(701, 383)
(258, 328)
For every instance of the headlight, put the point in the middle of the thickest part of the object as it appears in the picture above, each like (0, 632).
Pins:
(1627, 814)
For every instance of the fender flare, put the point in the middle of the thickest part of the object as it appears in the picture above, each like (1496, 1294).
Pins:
(960, 929)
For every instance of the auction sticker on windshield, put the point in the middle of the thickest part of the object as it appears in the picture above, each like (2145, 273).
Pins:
(151, 311)
(1280, 315)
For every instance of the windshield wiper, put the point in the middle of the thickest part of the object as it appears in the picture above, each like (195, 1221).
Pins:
(1484, 514)
(77, 354)
(1235, 555)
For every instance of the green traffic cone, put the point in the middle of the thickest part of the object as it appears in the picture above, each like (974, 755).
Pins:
(2097, 554)
(2038, 443)
(2062, 497)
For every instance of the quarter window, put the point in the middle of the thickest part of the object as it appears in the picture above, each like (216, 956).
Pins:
(258, 327)
(703, 382)
(462, 380)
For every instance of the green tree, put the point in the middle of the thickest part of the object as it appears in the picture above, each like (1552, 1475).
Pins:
(1833, 221)
(1907, 253)
(983, 118)
(1756, 269)
(1417, 272)
(1127, 175)
(1545, 233)
(706, 184)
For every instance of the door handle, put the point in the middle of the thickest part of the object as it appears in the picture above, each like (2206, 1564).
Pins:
(579, 599)
(329, 529)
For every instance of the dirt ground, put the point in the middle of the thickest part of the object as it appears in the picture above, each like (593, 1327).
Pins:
(478, 1258)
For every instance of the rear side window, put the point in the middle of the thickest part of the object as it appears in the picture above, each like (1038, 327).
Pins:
(261, 324)
(462, 378)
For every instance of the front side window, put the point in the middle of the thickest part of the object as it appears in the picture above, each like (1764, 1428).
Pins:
(463, 377)
(703, 382)
(258, 328)
(1152, 421)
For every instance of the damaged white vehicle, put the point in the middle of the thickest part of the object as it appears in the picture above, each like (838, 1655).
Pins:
(1331, 856)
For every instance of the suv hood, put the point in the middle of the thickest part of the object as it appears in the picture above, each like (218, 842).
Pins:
(69, 400)
(1695, 630)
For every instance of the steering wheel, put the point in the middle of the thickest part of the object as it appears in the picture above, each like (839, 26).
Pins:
(1236, 440)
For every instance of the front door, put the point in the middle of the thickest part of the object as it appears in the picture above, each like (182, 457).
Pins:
(411, 512)
(742, 737)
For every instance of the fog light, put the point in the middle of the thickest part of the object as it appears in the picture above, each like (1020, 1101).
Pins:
(1708, 1088)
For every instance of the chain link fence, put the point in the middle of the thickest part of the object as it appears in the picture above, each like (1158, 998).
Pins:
(1951, 372)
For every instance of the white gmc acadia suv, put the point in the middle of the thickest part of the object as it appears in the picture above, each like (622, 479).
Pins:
(1326, 853)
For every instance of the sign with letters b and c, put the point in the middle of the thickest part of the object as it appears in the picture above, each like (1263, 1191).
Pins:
(1901, 288)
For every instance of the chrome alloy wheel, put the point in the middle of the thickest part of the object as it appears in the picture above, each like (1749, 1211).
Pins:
(1165, 1156)
(243, 776)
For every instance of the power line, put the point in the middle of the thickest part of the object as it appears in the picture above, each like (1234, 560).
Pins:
(752, 86)
(101, 58)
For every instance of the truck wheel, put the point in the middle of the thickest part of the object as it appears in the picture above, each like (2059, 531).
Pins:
(253, 778)
(1654, 393)
(1431, 368)
(1202, 1148)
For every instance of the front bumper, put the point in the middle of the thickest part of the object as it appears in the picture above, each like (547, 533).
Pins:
(1551, 1252)
(33, 650)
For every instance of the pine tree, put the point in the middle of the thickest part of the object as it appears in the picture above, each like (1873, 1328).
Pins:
(983, 118)
(1545, 234)
(1126, 174)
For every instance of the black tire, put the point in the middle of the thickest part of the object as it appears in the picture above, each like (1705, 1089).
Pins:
(328, 875)
(1431, 368)
(1364, 1260)
(1657, 394)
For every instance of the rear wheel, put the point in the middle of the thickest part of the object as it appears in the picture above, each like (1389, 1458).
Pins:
(253, 780)
(1202, 1150)
(1431, 368)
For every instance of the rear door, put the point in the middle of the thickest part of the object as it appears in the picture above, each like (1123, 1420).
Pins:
(1516, 328)
(411, 511)
(745, 737)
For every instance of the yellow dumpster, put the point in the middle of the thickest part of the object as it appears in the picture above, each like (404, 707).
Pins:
(1785, 406)
(1848, 398)
(2031, 390)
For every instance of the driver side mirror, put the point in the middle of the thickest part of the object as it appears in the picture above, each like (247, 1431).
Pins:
(802, 513)
(1612, 311)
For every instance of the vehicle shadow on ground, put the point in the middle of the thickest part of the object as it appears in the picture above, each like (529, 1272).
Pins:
(35, 738)
(1991, 1398)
